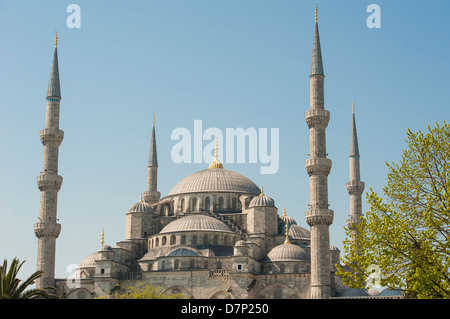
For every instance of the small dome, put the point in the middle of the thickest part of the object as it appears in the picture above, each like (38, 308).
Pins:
(89, 261)
(183, 252)
(298, 232)
(195, 223)
(333, 247)
(287, 252)
(262, 200)
(140, 207)
(283, 221)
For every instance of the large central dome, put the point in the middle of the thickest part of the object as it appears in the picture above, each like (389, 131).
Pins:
(215, 180)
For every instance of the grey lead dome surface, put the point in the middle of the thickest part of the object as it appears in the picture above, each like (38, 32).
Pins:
(287, 252)
(195, 223)
(215, 180)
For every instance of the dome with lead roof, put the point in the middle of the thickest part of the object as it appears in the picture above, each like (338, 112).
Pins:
(140, 207)
(262, 201)
(215, 180)
(287, 252)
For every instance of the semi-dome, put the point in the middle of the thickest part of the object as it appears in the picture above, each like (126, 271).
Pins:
(182, 252)
(140, 207)
(262, 200)
(215, 180)
(287, 252)
(195, 223)
(298, 232)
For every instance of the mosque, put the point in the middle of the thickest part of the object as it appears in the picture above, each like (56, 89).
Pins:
(216, 235)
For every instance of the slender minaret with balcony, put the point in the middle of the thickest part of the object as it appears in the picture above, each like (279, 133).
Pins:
(319, 217)
(355, 187)
(151, 195)
(49, 182)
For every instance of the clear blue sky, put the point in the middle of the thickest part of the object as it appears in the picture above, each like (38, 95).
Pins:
(228, 63)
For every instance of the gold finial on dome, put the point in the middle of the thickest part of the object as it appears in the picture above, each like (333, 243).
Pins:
(56, 39)
(215, 163)
(287, 241)
(140, 201)
(284, 212)
(262, 191)
(103, 237)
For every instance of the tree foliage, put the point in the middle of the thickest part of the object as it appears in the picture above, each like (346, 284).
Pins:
(405, 236)
(143, 290)
(12, 287)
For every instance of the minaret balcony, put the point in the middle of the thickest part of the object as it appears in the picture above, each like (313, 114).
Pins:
(319, 216)
(355, 187)
(49, 181)
(49, 135)
(47, 229)
(318, 166)
(352, 221)
(317, 118)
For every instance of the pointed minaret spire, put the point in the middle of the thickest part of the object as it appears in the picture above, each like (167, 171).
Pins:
(53, 84)
(152, 195)
(316, 61)
(319, 217)
(49, 182)
(153, 157)
(355, 187)
(354, 149)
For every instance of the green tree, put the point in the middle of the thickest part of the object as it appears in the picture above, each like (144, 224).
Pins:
(405, 237)
(143, 290)
(13, 288)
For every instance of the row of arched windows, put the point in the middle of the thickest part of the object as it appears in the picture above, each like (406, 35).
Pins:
(206, 239)
(188, 204)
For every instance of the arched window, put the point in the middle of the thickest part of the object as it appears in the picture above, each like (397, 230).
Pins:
(163, 265)
(220, 203)
(234, 203)
(194, 205)
(164, 241)
(207, 203)
(173, 239)
(194, 239)
(225, 240)
(182, 205)
(157, 242)
(183, 240)
(205, 239)
(176, 264)
(216, 239)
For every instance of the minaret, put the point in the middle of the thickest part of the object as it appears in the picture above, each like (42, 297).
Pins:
(152, 195)
(355, 187)
(318, 166)
(49, 182)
